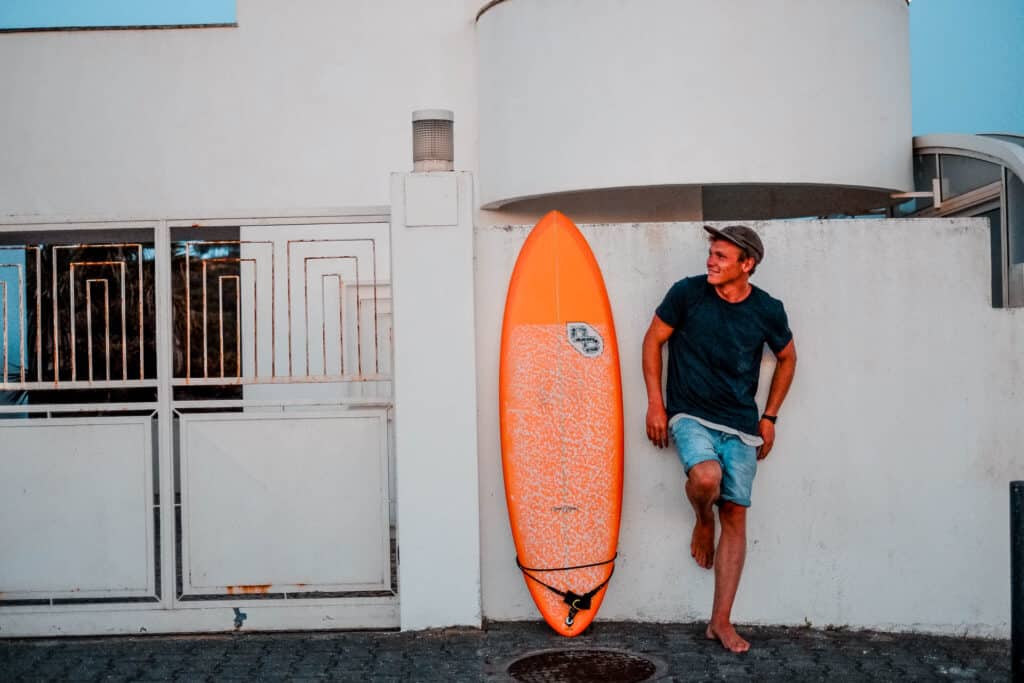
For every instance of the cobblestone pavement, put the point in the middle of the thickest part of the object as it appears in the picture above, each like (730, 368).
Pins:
(680, 650)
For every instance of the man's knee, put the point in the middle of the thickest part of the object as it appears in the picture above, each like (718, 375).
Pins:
(732, 515)
(705, 477)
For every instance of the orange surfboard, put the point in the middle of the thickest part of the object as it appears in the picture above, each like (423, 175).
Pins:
(560, 393)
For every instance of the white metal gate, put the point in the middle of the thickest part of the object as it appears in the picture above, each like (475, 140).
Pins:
(195, 425)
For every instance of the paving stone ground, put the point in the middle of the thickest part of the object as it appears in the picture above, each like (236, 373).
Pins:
(680, 650)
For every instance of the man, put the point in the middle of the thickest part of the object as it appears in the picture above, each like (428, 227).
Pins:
(716, 327)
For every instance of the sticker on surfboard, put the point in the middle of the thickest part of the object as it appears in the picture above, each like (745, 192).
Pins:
(585, 339)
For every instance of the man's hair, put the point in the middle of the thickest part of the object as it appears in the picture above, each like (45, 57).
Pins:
(744, 252)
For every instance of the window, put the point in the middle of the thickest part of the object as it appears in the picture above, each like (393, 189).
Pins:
(963, 174)
(977, 177)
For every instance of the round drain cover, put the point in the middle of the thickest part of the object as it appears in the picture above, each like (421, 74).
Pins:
(570, 666)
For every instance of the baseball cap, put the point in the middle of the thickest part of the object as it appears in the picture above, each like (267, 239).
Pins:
(742, 236)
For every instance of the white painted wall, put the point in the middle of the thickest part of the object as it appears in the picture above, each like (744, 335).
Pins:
(307, 105)
(884, 503)
(303, 105)
(583, 94)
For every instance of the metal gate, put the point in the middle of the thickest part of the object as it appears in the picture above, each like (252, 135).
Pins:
(195, 425)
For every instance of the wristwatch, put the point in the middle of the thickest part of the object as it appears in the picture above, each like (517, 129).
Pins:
(770, 418)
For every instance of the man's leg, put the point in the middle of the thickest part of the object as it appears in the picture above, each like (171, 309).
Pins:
(702, 488)
(732, 549)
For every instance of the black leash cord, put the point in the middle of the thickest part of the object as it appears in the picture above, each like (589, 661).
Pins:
(564, 569)
(575, 601)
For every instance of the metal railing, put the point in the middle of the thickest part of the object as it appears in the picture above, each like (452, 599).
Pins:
(82, 314)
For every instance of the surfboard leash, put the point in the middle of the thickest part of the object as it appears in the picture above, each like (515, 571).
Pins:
(575, 601)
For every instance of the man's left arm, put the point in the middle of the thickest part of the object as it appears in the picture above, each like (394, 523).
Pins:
(782, 378)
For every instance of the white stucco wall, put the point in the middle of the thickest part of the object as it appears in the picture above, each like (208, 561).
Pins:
(307, 105)
(884, 503)
(303, 105)
(584, 94)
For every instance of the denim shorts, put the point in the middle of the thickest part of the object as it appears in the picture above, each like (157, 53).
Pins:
(696, 443)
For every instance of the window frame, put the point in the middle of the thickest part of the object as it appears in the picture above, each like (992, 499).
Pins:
(1008, 278)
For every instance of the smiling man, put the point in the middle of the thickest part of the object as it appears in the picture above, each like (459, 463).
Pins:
(716, 326)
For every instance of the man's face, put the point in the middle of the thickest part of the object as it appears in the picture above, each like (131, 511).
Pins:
(725, 265)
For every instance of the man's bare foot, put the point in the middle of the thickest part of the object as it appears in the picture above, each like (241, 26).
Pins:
(727, 636)
(702, 544)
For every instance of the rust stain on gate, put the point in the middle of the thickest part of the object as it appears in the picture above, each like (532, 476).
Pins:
(252, 589)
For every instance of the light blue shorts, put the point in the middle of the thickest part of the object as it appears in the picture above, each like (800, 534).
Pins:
(696, 443)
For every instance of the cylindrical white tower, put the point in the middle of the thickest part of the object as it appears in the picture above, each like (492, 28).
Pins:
(755, 102)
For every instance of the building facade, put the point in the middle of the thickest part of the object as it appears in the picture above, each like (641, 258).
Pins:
(251, 356)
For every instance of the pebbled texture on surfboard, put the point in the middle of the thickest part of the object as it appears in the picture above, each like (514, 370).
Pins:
(562, 424)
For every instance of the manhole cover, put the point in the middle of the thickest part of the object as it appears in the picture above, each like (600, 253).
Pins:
(570, 666)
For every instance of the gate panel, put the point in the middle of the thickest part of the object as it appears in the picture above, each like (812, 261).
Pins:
(78, 398)
(283, 399)
(255, 522)
(76, 508)
(195, 426)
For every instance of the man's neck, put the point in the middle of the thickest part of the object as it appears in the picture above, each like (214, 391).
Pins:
(734, 292)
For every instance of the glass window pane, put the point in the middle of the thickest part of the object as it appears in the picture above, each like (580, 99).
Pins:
(1015, 215)
(963, 174)
(925, 169)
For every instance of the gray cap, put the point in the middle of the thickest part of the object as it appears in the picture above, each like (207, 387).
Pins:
(742, 236)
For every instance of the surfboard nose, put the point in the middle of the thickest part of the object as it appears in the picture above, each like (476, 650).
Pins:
(554, 214)
(553, 220)
(554, 227)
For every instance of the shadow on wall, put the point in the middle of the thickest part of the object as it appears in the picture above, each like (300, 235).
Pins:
(622, 205)
(674, 203)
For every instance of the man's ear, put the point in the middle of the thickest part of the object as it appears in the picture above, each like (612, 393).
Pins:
(748, 264)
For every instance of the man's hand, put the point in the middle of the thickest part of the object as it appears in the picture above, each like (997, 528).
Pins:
(767, 430)
(785, 368)
(657, 425)
(657, 419)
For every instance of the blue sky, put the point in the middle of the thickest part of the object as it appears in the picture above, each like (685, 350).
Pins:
(967, 66)
(57, 13)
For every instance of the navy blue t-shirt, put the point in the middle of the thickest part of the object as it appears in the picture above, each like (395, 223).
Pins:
(714, 358)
